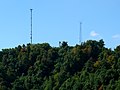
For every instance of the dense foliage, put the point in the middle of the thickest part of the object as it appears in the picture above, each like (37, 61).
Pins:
(89, 66)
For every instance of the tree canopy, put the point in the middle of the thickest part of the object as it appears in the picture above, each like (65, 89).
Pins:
(89, 66)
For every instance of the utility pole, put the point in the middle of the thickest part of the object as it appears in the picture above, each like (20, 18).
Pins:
(31, 26)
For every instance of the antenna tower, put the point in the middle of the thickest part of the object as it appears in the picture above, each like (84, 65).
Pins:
(31, 26)
(80, 33)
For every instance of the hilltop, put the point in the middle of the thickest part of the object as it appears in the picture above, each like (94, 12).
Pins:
(89, 66)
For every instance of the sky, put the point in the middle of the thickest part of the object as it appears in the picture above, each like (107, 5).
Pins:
(59, 20)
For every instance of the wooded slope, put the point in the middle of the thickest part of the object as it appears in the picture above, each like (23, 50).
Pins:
(89, 66)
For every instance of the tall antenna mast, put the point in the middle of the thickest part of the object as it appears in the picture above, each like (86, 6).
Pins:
(31, 26)
(80, 33)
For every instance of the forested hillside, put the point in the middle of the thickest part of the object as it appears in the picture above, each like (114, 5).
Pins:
(89, 66)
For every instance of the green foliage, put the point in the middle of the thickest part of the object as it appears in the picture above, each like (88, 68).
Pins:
(89, 66)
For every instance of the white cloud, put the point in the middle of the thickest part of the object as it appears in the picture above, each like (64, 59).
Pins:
(93, 34)
(117, 36)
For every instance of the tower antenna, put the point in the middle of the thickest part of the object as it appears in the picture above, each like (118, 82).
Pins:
(31, 26)
(80, 33)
